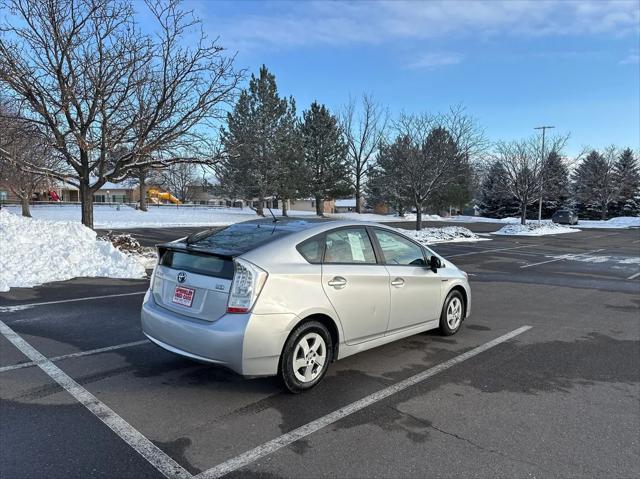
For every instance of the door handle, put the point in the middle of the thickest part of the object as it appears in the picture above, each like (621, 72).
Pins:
(337, 282)
(398, 282)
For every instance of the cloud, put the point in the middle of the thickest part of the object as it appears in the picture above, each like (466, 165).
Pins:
(295, 24)
(433, 60)
(632, 59)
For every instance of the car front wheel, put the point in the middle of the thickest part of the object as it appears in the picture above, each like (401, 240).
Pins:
(452, 314)
(306, 356)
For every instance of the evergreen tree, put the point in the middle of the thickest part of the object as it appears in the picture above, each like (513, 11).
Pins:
(594, 184)
(260, 144)
(430, 168)
(495, 200)
(458, 193)
(627, 177)
(325, 156)
(384, 184)
(290, 164)
(556, 185)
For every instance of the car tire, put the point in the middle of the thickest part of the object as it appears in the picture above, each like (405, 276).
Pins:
(299, 368)
(453, 313)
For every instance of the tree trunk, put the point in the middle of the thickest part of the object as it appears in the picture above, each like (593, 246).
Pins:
(260, 207)
(319, 206)
(523, 213)
(86, 199)
(418, 217)
(285, 211)
(603, 212)
(24, 201)
(142, 177)
(358, 196)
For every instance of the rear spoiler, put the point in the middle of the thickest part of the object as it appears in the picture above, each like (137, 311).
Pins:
(186, 248)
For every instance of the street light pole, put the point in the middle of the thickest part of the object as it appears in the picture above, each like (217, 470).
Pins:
(544, 129)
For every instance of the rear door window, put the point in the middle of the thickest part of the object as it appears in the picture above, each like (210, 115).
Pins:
(198, 263)
(349, 246)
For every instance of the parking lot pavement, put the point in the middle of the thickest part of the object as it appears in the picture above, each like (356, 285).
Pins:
(558, 399)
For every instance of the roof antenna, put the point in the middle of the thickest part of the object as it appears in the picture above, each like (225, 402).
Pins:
(275, 220)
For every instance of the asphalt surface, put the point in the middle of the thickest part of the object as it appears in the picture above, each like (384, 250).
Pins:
(560, 399)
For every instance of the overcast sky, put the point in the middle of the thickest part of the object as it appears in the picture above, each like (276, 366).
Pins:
(514, 64)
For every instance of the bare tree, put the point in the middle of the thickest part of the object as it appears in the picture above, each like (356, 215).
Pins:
(470, 138)
(525, 168)
(94, 84)
(364, 131)
(21, 142)
(431, 153)
(178, 178)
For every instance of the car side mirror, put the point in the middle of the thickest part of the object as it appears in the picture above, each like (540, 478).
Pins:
(435, 263)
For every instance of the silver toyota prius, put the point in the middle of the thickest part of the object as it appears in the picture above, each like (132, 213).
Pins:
(288, 297)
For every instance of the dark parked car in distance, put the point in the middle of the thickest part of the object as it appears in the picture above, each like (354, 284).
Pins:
(565, 217)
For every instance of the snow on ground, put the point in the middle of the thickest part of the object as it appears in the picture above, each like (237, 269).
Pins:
(36, 251)
(447, 234)
(109, 217)
(533, 228)
(589, 258)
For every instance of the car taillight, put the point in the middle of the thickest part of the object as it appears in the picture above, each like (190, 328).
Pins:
(248, 281)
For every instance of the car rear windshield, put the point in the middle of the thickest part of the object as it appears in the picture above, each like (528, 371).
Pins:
(198, 263)
(242, 237)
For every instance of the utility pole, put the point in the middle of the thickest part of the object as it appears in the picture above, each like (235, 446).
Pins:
(544, 129)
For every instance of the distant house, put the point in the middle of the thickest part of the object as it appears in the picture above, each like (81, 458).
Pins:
(108, 193)
(42, 194)
(200, 193)
(309, 204)
(345, 205)
(116, 193)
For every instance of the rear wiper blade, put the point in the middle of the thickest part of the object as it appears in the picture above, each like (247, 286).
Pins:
(199, 235)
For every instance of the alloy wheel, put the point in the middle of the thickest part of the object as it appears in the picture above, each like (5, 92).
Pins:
(309, 357)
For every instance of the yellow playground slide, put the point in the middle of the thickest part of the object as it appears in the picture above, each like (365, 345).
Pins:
(156, 195)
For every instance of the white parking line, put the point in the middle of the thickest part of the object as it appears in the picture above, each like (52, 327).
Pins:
(488, 251)
(20, 307)
(76, 355)
(303, 431)
(634, 276)
(147, 449)
(561, 258)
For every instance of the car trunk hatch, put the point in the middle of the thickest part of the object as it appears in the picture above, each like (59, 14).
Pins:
(192, 283)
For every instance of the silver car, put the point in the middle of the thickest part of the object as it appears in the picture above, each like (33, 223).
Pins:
(286, 298)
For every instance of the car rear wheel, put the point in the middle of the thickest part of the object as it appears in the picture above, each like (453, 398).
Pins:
(453, 313)
(306, 356)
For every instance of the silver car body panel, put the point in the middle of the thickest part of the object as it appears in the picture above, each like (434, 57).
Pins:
(364, 318)
(251, 343)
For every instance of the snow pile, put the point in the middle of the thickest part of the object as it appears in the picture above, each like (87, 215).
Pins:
(617, 223)
(38, 251)
(412, 217)
(447, 234)
(145, 255)
(534, 228)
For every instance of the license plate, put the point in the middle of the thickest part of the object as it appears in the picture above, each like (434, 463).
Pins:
(183, 296)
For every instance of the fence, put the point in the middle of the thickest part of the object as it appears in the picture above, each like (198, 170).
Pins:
(60, 204)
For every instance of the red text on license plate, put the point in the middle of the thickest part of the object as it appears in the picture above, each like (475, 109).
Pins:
(183, 296)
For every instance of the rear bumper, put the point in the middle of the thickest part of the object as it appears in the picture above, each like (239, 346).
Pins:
(248, 344)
